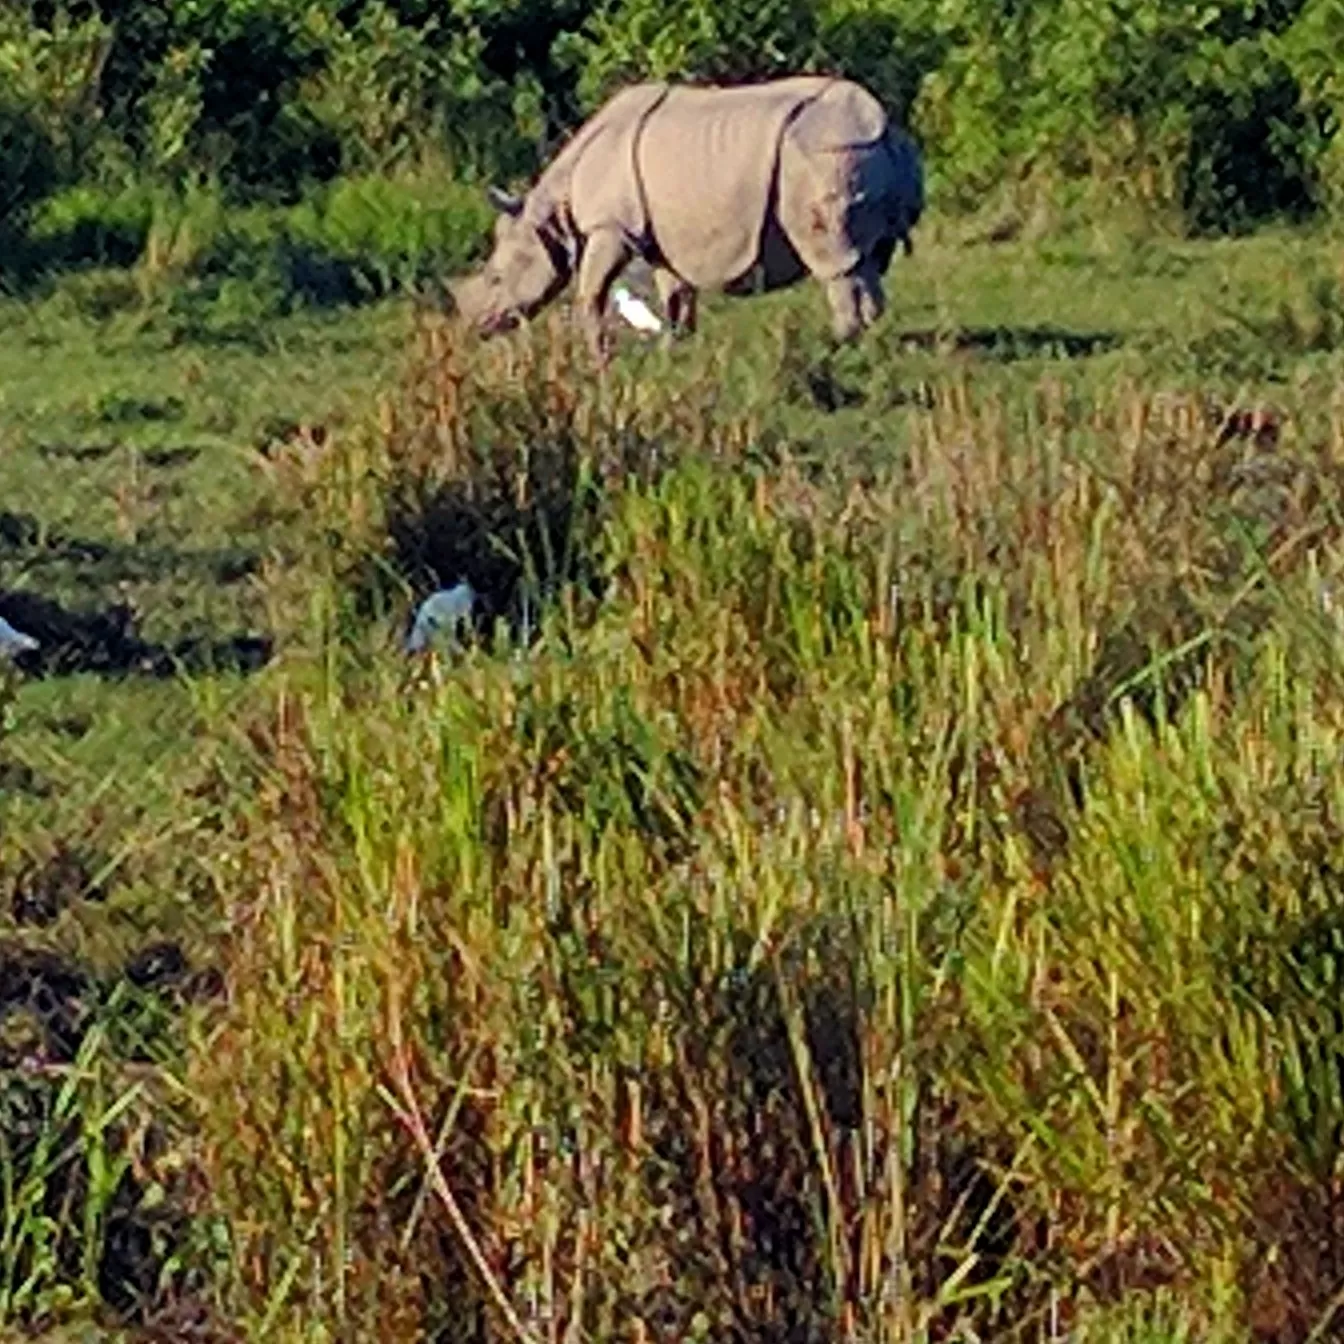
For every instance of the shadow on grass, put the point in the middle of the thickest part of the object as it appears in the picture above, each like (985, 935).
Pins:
(1009, 344)
(24, 541)
(75, 452)
(808, 378)
(105, 642)
(179, 455)
(516, 555)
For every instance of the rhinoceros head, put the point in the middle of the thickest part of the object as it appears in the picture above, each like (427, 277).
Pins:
(526, 269)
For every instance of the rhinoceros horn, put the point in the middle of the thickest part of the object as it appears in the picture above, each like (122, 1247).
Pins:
(503, 201)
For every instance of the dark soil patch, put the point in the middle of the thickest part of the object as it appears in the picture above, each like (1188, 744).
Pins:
(23, 540)
(72, 726)
(19, 531)
(171, 457)
(77, 452)
(827, 392)
(18, 777)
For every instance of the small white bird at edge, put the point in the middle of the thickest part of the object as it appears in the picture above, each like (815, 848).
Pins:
(635, 311)
(14, 642)
(442, 612)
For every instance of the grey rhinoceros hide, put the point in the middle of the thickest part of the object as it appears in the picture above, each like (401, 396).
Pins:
(717, 188)
(703, 166)
(709, 158)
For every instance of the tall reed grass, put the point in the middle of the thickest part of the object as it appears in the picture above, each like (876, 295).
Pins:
(902, 912)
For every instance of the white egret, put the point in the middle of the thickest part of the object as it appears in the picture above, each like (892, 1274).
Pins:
(443, 612)
(635, 311)
(14, 642)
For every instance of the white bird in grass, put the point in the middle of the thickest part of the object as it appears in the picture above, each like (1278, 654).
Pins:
(440, 613)
(14, 642)
(635, 311)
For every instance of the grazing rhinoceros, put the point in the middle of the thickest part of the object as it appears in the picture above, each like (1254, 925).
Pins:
(737, 189)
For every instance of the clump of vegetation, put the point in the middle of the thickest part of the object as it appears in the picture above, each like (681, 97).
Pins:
(1216, 115)
(202, 269)
(865, 918)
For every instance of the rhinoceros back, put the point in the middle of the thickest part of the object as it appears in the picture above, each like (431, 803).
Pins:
(594, 175)
(706, 161)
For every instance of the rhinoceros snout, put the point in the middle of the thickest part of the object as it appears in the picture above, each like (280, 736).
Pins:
(463, 301)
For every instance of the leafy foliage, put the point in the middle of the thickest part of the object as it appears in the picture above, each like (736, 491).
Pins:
(1225, 111)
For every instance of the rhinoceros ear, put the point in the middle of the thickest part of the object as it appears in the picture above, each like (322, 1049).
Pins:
(505, 202)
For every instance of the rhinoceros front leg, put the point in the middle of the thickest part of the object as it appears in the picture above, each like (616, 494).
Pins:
(604, 256)
(678, 300)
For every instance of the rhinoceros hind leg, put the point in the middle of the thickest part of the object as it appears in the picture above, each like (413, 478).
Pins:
(678, 300)
(687, 317)
(872, 301)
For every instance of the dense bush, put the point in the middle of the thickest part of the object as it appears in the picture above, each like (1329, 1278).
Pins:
(390, 234)
(1311, 49)
(1225, 112)
(353, 239)
(49, 80)
(87, 224)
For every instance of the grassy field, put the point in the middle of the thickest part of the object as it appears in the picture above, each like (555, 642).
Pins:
(875, 875)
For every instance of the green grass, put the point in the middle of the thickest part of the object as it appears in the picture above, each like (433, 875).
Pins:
(740, 940)
(136, 472)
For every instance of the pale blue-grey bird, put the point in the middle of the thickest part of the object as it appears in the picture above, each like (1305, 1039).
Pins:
(441, 613)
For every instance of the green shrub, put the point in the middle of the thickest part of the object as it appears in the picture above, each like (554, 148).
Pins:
(1225, 113)
(271, 98)
(1310, 48)
(376, 86)
(386, 234)
(27, 161)
(88, 225)
(889, 47)
(98, 293)
(215, 269)
(352, 241)
(1173, 104)
(651, 39)
(51, 73)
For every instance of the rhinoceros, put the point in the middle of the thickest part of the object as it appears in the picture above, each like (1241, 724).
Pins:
(736, 189)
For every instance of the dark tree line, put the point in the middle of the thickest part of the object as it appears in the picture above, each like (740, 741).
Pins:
(1226, 109)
